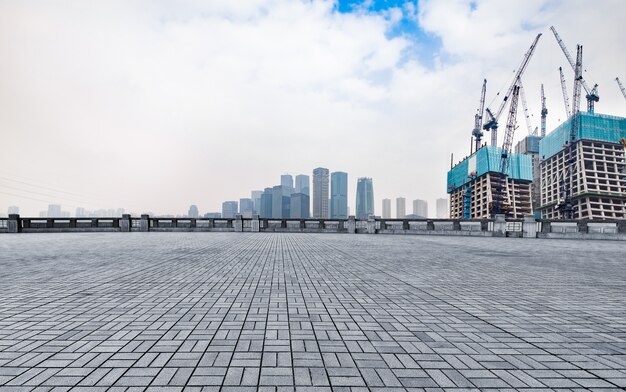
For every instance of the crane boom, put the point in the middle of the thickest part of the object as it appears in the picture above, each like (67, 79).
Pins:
(568, 112)
(478, 117)
(544, 113)
(621, 86)
(522, 96)
(578, 76)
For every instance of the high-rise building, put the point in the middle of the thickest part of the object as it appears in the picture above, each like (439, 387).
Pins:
(299, 207)
(302, 184)
(400, 207)
(386, 208)
(54, 211)
(193, 211)
(530, 146)
(320, 193)
(213, 215)
(364, 198)
(229, 209)
(280, 202)
(442, 208)
(256, 199)
(246, 207)
(13, 210)
(286, 180)
(339, 195)
(420, 208)
(265, 210)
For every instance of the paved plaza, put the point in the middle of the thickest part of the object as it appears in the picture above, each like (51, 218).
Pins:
(309, 312)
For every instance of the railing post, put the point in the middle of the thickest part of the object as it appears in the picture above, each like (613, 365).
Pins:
(430, 225)
(72, 224)
(14, 224)
(321, 225)
(211, 223)
(546, 226)
(529, 226)
(351, 224)
(456, 225)
(192, 223)
(125, 223)
(621, 226)
(582, 226)
(256, 227)
(94, 222)
(238, 223)
(145, 223)
(302, 224)
(371, 226)
(484, 225)
(405, 225)
(499, 226)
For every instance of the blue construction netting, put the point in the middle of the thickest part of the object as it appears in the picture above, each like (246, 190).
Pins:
(600, 127)
(488, 159)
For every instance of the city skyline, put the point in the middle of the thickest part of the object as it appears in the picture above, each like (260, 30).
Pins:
(86, 97)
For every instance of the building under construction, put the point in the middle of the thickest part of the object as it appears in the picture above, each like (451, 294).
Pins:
(475, 183)
(595, 178)
(530, 146)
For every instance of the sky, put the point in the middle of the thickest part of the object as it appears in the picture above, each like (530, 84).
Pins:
(155, 105)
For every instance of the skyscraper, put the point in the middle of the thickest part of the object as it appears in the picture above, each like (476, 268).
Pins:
(299, 207)
(281, 203)
(286, 180)
(193, 211)
(256, 199)
(386, 208)
(442, 208)
(320, 193)
(364, 198)
(246, 207)
(302, 184)
(54, 211)
(229, 209)
(400, 208)
(339, 195)
(420, 208)
(265, 210)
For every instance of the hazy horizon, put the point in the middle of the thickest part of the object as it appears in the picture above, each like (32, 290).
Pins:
(154, 106)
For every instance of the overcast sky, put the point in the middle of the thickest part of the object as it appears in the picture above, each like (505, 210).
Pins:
(156, 105)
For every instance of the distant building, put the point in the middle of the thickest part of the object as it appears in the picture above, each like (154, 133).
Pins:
(299, 207)
(442, 208)
(246, 207)
(13, 210)
(229, 209)
(420, 207)
(280, 202)
(54, 211)
(386, 208)
(339, 195)
(302, 184)
(364, 198)
(213, 215)
(414, 216)
(286, 181)
(119, 212)
(193, 211)
(400, 207)
(256, 199)
(80, 212)
(265, 210)
(320, 193)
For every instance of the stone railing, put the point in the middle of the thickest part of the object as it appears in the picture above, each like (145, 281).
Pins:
(499, 227)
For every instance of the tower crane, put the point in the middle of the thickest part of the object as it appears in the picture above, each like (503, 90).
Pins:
(478, 117)
(498, 202)
(492, 123)
(522, 96)
(578, 81)
(592, 94)
(568, 112)
(544, 113)
(621, 86)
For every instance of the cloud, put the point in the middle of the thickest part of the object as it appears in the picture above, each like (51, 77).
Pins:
(156, 105)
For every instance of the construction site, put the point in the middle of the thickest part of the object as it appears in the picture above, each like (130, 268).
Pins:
(576, 171)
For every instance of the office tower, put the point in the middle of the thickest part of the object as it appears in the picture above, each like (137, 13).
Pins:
(339, 195)
(530, 146)
(213, 215)
(400, 208)
(277, 201)
(13, 210)
(256, 199)
(54, 211)
(229, 209)
(246, 207)
(386, 208)
(299, 207)
(286, 180)
(442, 208)
(193, 211)
(320, 193)
(302, 184)
(265, 210)
(420, 208)
(364, 198)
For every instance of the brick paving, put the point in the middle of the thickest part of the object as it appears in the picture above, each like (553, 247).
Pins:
(309, 312)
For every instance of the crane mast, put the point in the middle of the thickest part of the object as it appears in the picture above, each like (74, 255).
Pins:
(522, 96)
(544, 113)
(621, 86)
(578, 77)
(478, 117)
(492, 123)
(568, 112)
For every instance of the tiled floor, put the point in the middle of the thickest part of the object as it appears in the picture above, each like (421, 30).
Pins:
(239, 312)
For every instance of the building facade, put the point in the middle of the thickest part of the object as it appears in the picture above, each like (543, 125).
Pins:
(229, 209)
(256, 199)
(193, 211)
(530, 146)
(364, 198)
(303, 184)
(386, 209)
(246, 207)
(400, 208)
(286, 181)
(339, 195)
(299, 206)
(420, 208)
(320, 193)
(266, 203)
(442, 208)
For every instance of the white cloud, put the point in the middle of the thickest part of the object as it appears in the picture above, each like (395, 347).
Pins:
(155, 106)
